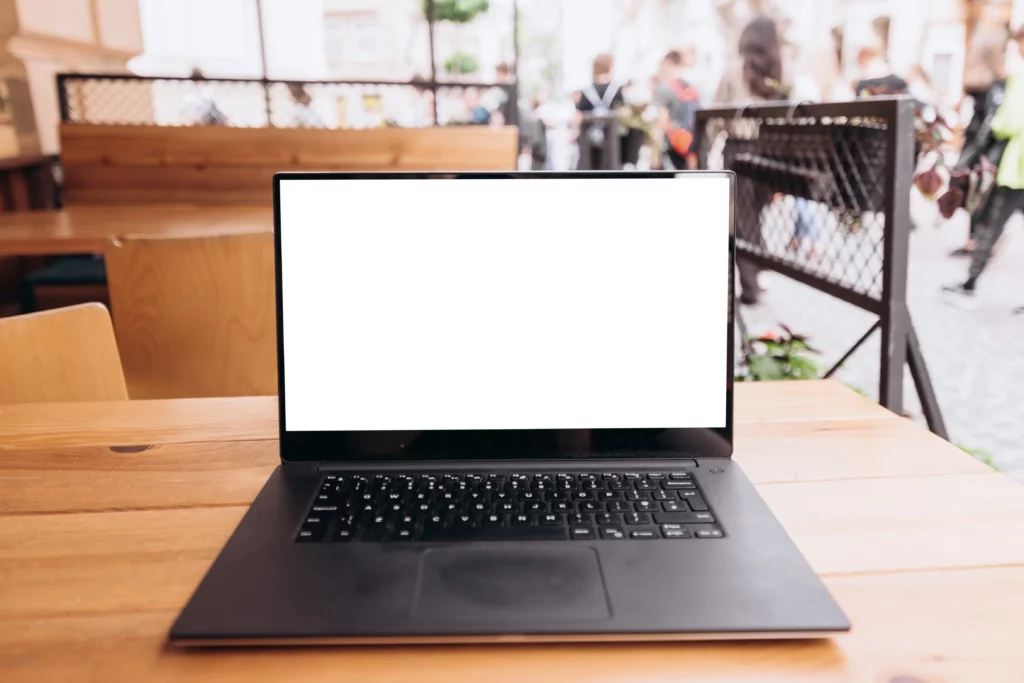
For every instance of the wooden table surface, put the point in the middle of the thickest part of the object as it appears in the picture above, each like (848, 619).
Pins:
(110, 513)
(86, 229)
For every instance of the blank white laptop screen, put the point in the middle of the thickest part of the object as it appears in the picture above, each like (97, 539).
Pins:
(485, 304)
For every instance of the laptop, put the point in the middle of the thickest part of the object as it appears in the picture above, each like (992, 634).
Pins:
(506, 414)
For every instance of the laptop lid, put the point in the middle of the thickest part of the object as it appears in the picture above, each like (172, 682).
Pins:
(504, 316)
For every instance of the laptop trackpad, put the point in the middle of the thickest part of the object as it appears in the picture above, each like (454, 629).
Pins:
(507, 586)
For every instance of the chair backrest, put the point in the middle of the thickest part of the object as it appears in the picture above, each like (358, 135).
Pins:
(215, 165)
(66, 354)
(195, 315)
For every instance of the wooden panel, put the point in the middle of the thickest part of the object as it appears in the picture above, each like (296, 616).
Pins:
(151, 474)
(67, 354)
(104, 478)
(87, 229)
(109, 603)
(197, 185)
(195, 316)
(436, 149)
(46, 426)
(802, 401)
(234, 166)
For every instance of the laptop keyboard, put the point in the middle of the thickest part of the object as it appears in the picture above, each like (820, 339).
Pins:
(535, 506)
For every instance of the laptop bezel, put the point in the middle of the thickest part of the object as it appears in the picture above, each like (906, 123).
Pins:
(313, 447)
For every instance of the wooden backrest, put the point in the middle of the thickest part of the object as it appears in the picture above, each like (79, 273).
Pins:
(220, 165)
(67, 354)
(195, 315)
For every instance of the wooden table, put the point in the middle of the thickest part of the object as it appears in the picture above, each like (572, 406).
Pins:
(86, 229)
(110, 513)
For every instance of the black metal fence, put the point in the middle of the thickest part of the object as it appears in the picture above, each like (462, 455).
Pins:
(117, 99)
(823, 197)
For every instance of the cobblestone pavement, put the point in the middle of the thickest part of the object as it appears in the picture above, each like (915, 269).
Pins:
(976, 358)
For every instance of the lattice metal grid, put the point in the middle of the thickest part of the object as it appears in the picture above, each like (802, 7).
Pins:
(129, 100)
(810, 193)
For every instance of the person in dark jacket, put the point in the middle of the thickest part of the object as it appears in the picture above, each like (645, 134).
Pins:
(985, 84)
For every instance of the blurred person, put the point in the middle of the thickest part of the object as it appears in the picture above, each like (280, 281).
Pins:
(600, 98)
(758, 79)
(875, 76)
(479, 115)
(984, 90)
(505, 105)
(303, 115)
(678, 103)
(1007, 196)
(200, 105)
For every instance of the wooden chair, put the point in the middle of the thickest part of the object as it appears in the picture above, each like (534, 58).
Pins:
(66, 354)
(195, 315)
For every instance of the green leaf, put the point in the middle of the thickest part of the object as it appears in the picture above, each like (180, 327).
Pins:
(766, 369)
(804, 368)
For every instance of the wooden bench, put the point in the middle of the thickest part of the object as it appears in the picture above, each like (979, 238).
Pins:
(209, 165)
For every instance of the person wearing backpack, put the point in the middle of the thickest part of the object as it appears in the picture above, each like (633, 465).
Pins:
(678, 103)
(600, 98)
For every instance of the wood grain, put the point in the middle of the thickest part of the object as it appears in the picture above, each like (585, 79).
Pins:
(132, 423)
(255, 418)
(67, 354)
(899, 636)
(144, 476)
(195, 316)
(231, 166)
(922, 547)
(88, 229)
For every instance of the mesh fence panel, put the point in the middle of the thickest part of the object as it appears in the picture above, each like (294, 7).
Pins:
(810, 192)
(251, 104)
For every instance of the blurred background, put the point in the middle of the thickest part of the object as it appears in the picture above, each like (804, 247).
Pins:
(547, 68)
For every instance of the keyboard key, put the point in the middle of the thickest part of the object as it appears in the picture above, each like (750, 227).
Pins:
(561, 507)
(694, 500)
(556, 496)
(584, 495)
(404, 533)
(612, 533)
(581, 520)
(610, 495)
(678, 475)
(638, 495)
(606, 519)
(514, 533)
(664, 495)
(644, 485)
(638, 518)
(674, 506)
(588, 477)
(535, 507)
(703, 517)
(494, 520)
(312, 534)
(633, 475)
(618, 485)
(524, 520)
(681, 518)
(655, 475)
(582, 533)
(709, 533)
(646, 535)
(610, 475)
(589, 485)
(591, 507)
(527, 496)
(344, 533)
(506, 507)
(620, 506)
(676, 533)
(551, 520)
(466, 521)
(646, 506)
(674, 484)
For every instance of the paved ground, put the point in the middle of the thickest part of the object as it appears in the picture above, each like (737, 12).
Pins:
(976, 358)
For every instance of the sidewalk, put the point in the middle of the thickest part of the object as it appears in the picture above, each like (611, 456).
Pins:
(976, 358)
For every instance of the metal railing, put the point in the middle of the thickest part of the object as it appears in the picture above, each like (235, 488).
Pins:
(120, 99)
(823, 197)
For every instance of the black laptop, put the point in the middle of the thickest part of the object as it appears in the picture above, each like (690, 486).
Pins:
(506, 414)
